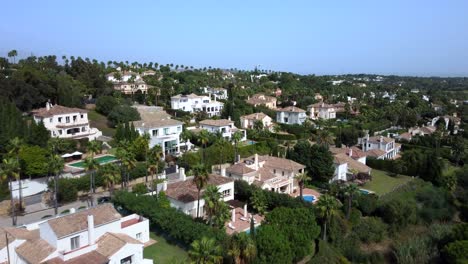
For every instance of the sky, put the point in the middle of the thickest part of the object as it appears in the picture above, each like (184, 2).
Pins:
(404, 37)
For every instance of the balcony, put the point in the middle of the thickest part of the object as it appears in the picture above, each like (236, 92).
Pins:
(72, 124)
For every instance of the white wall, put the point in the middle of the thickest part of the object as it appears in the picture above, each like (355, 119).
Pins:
(128, 250)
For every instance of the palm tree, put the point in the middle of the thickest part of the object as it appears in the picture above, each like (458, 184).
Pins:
(13, 53)
(301, 178)
(200, 179)
(324, 138)
(9, 172)
(243, 248)
(110, 176)
(206, 251)
(350, 191)
(327, 206)
(203, 138)
(14, 149)
(128, 162)
(94, 147)
(216, 209)
(236, 137)
(56, 165)
(91, 166)
(154, 157)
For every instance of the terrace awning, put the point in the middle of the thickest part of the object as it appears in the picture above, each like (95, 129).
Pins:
(76, 153)
(67, 155)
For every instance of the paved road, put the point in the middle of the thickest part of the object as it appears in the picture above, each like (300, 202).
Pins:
(37, 211)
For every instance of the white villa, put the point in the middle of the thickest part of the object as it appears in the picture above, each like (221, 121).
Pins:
(99, 235)
(66, 122)
(218, 93)
(248, 121)
(197, 103)
(182, 193)
(131, 88)
(321, 111)
(269, 173)
(125, 76)
(380, 147)
(291, 115)
(225, 126)
(261, 99)
(348, 162)
(162, 130)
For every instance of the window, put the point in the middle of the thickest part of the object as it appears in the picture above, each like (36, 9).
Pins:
(282, 173)
(60, 131)
(60, 120)
(179, 128)
(154, 132)
(166, 131)
(83, 129)
(127, 260)
(75, 242)
(227, 192)
(81, 116)
(74, 118)
(67, 119)
(51, 120)
(138, 236)
(274, 171)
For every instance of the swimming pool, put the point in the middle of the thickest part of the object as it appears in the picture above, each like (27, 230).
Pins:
(250, 142)
(101, 160)
(364, 191)
(309, 198)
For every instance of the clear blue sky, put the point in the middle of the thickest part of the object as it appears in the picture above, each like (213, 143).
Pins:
(412, 37)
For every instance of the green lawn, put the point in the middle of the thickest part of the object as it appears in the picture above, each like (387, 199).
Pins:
(100, 122)
(383, 183)
(163, 252)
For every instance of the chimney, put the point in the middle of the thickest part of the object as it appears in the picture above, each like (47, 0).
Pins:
(233, 216)
(256, 161)
(182, 174)
(72, 210)
(223, 172)
(229, 118)
(350, 152)
(90, 229)
(256, 116)
(48, 105)
(245, 210)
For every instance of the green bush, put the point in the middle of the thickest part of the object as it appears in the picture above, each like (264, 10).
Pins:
(398, 214)
(371, 229)
(105, 104)
(67, 191)
(139, 188)
(272, 246)
(456, 252)
(367, 204)
(123, 114)
(414, 250)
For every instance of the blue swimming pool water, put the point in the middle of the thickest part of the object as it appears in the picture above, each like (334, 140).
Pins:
(250, 142)
(364, 191)
(309, 198)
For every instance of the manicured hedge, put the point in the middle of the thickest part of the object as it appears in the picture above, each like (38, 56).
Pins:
(172, 222)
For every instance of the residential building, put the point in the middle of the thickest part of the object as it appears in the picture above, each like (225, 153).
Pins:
(124, 76)
(269, 173)
(261, 99)
(422, 131)
(148, 73)
(161, 128)
(197, 103)
(66, 122)
(224, 126)
(217, 93)
(99, 235)
(380, 147)
(347, 168)
(183, 194)
(248, 121)
(321, 111)
(132, 88)
(290, 115)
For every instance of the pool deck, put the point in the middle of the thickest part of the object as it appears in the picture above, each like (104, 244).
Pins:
(69, 167)
(307, 191)
(241, 223)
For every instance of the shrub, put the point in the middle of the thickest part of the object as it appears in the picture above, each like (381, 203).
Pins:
(398, 213)
(272, 246)
(67, 191)
(65, 212)
(370, 229)
(123, 114)
(367, 204)
(414, 250)
(456, 252)
(139, 188)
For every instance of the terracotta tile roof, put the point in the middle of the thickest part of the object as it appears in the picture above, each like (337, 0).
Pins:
(356, 152)
(377, 139)
(342, 158)
(279, 163)
(291, 109)
(157, 123)
(34, 251)
(192, 95)
(375, 153)
(91, 257)
(14, 233)
(406, 136)
(72, 223)
(254, 116)
(110, 243)
(56, 110)
(258, 99)
(218, 123)
(321, 105)
(186, 191)
(428, 129)
(265, 174)
(239, 169)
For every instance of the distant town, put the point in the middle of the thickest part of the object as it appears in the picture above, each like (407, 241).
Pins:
(128, 162)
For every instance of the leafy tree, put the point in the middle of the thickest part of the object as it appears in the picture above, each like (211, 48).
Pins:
(13, 54)
(9, 171)
(123, 114)
(33, 160)
(105, 104)
(398, 214)
(236, 137)
(370, 229)
(203, 138)
(258, 201)
(273, 246)
(350, 191)
(216, 209)
(39, 135)
(206, 251)
(56, 165)
(111, 176)
(456, 252)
